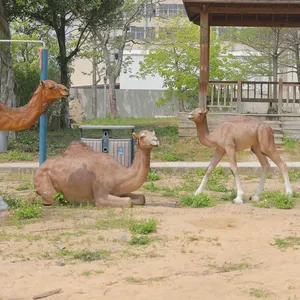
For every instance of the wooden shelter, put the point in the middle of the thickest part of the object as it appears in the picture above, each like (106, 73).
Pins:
(251, 13)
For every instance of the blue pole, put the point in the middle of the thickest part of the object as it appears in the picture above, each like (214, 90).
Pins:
(43, 118)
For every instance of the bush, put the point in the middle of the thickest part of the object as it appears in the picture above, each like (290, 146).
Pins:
(202, 200)
(143, 226)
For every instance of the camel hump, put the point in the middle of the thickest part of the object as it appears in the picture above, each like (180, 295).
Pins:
(75, 148)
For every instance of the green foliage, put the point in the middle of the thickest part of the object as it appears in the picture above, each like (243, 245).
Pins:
(61, 200)
(276, 199)
(143, 226)
(152, 176)
(28, 211)
(23, 187)
(150, 187)
(86, 255)
(294, 175)
(16, 155)
(175, 57)
(289, 142)
(170, 156)
(290, 241)
(139, 240)
(202, 200)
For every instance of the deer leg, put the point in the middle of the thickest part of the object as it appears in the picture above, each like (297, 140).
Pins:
(265, 168)
(137, 199)
(283, 168)
(233, 165)
(216, 159)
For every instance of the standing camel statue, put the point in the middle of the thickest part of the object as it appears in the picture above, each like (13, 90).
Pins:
(236, 134)
(84, 175)
(20, 118)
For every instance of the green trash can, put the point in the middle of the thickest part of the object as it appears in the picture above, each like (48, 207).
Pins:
(3, 141)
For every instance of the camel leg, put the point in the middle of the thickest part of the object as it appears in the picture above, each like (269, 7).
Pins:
(44, 184)
(265, 168)
(137, 199)
(283, 168)
(233, 165)
(216, 159)
(113, 201)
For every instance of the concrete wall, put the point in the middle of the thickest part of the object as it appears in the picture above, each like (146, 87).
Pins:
(130, 103)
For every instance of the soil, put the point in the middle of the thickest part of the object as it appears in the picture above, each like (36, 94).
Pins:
(223, 252)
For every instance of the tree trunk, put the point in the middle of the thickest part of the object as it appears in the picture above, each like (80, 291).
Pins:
(65, 81)
(181, 105)
(112, 97)
(64, 78)
(7, 94)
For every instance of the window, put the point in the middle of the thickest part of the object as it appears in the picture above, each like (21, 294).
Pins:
(137, 33)
(171, 10)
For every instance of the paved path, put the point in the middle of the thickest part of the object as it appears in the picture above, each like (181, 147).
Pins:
(244, 167)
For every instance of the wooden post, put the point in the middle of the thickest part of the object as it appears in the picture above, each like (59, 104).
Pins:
(204, 56)
(280, 97)
(239, 97)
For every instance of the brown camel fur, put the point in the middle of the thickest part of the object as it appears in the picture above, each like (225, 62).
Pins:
(237, 134)
(21, 118)
(83, 175)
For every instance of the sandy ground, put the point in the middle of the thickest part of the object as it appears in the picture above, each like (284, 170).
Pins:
(223, 252)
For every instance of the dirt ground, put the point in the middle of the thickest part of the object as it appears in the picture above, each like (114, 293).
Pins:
(222, 252)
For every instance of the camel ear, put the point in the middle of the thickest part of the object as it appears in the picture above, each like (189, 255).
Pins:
(135, 136)
(205, 112)
(42, 83)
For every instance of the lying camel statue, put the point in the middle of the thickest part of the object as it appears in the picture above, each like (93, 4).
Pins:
(237, 134)
(84, 175)
(13, 119)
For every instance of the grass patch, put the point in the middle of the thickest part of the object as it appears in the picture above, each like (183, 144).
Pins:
(61, 200)
(92, 272)
(229, 267)
(290, 241)
(276, 199)
(16, 156)
(143, 226)
(289, 142)
(259, 293)
(24, 186)
(28, 211)
(85, 255)
(152, 176)
(202, 200)
(139, 280)
(294, 175)
(139, 240)
(151, 187)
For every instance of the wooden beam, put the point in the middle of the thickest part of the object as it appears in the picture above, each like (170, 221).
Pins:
(254, 23)
(204, 56)
(252, 10)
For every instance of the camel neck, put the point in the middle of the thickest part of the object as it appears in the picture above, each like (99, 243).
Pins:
(137, 173)
(203, 133)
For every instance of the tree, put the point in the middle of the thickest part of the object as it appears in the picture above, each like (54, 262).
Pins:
(6, 71)
(175, 57)
(113, 38)
(69, 19)
(265, 49)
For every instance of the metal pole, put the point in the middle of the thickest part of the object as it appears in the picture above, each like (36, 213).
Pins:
(43, 118)
(3, 204)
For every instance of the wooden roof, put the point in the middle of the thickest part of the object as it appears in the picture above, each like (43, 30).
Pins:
(255, 13)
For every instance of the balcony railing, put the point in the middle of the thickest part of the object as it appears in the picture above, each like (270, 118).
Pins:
(228, 95)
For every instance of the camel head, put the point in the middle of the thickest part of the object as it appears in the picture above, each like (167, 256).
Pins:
(52, 91)
(197, 115)
(146, 139)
